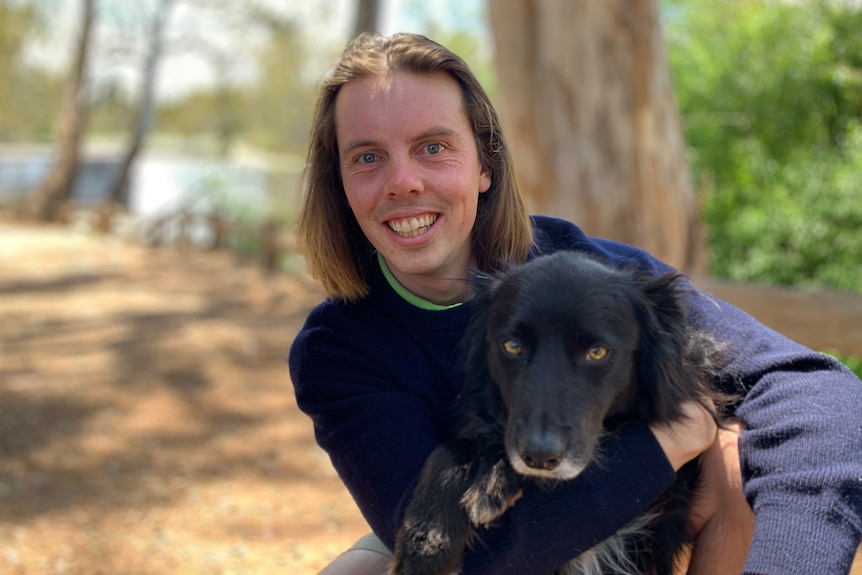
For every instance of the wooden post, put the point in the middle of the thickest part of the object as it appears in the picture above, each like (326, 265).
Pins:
(217, 225)
(184, 235)
(269, 246)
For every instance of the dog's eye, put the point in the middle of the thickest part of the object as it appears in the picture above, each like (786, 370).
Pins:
(597, 353)
(512, 347)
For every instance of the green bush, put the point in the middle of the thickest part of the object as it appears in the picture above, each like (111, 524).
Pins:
(771, 99)
(799, 223)
(770, 94)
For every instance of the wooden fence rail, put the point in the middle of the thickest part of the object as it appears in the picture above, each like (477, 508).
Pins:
(213, 231)
(823, 320)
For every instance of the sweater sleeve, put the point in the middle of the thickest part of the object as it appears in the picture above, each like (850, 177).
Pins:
(378, 434)
(547, 528)
(801, 446)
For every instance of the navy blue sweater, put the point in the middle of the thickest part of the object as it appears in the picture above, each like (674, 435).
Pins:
(377, 377)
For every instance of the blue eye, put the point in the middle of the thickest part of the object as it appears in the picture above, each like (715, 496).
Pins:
(435, 148)
(367, 158)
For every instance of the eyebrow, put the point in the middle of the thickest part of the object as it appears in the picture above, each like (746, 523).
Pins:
(432, 133)
(352, 145)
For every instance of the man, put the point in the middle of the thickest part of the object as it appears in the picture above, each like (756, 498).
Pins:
(410, 185)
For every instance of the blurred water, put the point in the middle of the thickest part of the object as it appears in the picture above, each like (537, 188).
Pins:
(251, 187)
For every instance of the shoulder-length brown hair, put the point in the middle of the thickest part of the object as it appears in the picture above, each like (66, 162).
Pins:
(334, 245)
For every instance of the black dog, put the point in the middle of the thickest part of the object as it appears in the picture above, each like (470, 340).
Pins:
(561, 351)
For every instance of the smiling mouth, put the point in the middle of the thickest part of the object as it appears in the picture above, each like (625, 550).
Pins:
(412, 227)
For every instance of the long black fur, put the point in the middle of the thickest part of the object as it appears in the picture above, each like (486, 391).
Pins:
(561, 351)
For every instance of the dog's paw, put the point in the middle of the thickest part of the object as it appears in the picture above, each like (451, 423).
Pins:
(423, 550)
(491, 494)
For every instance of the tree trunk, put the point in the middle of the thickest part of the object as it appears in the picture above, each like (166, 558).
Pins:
(367, 14)
(590, 117)
(45, 201)
(144, 119)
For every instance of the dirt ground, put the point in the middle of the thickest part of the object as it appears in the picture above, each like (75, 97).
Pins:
(147, 419)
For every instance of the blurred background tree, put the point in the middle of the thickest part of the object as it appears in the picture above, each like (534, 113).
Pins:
(592, 124)
(272, 112)
(770, 95)
(367, 17)
(145, 106)
(46, 200)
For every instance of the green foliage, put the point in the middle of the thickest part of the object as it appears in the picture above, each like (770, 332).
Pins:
(771, 98)
(279, 108)
(794, 223)
(28, 98)
(460, 26)
(853, 362)
(110, 111)
(215, 191)
(272, 113)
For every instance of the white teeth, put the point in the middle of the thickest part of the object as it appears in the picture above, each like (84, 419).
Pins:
(412, 227)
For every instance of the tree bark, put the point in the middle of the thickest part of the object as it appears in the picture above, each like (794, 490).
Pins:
(367, 14)
(146, 101)
(45, 202)
(587, 104)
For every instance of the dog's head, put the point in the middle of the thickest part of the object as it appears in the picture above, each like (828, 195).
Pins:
(575, 348)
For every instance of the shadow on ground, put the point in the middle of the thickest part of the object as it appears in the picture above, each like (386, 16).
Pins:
(147, 420)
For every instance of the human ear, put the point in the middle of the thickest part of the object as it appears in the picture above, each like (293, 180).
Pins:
(484, 181)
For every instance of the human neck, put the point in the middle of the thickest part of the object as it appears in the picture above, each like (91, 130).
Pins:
(429, 293)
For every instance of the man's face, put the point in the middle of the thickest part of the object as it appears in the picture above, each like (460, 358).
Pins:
(411, 172)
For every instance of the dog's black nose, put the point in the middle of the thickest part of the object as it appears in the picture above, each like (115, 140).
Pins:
(543, 453)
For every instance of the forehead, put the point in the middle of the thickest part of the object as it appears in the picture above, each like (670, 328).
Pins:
(399, 103)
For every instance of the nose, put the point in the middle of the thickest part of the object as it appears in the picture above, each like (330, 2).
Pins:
(402, 177)
(543, 451)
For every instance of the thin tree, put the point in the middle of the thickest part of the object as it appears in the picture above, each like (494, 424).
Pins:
(45, 201)
(592, 122)
(146, 102)
(367, 16)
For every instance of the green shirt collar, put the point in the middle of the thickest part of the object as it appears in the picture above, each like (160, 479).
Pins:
(405, 294)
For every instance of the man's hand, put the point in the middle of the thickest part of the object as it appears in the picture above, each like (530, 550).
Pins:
(684, 440)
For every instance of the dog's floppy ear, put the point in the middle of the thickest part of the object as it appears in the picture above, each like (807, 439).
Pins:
(478, 390)
(665, 367)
